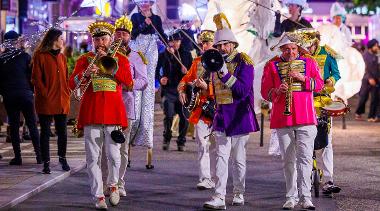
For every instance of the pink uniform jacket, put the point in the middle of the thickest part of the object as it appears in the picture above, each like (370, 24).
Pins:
(303, 112)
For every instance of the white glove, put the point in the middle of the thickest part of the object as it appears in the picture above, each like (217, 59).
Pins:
(223, 71)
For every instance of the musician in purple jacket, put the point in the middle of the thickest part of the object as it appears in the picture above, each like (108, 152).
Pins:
(235, 117)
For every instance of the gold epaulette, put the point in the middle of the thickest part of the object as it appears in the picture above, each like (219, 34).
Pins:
(143, 58)
(308, 56)
(121, 54)
(86, 55)
(332, 52)
(247, 59)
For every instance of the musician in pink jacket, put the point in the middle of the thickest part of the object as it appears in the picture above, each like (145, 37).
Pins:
(289, 81)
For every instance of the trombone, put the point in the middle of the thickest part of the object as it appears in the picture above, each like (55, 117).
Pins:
(106, 65)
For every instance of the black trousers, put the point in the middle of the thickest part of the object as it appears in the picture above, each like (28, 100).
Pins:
(364, 93)
(14, 104)
(60, 121)
(173, 106)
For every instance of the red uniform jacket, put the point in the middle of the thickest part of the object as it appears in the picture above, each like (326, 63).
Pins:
(192, 75)
(102, 103)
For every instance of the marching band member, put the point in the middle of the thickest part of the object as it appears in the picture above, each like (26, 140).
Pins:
(146, 27)
(288, 82)
(326, 59)
(102, 110)
(202, 122)
(173, 72)
(234, 117)
(138, 70)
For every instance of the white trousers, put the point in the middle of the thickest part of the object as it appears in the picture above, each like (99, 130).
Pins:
(206, 151)
(95, 136)
(124, 153)
(225, 145)
(297, 145)
(328, 159)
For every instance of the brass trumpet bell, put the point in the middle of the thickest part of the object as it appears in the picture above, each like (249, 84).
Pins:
(106, 65)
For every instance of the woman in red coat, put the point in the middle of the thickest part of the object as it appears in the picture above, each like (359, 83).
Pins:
(50, 80)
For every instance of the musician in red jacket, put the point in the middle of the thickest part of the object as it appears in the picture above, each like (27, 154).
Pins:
(102, 110)
(198, 76)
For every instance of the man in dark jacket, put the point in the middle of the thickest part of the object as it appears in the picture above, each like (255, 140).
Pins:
(16, 88)
(172, 73)
(370, 83)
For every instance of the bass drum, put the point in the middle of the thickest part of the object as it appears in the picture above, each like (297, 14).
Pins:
(321, 140)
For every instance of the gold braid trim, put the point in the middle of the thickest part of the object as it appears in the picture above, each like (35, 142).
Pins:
(333, 53)
(143, 58)
(247, 59)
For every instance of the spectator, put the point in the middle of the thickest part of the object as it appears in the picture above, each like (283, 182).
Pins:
(50, 79)
(370, 83)
(17, 91)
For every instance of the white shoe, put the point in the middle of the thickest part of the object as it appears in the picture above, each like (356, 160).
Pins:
(238, 199)
(289, 204)
(101, 203)
(122, 191)
(307, 204)
(205, 184)
(114, 196)
(215, 203)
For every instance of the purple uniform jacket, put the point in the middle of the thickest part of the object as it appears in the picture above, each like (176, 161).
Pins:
(239, 117)
(140, 81)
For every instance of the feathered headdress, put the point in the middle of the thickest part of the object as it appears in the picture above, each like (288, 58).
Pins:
(223, 33)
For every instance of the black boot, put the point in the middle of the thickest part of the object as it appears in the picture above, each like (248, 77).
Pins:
(17, 161)
(167, 132)
(46, 169)
(65, 165)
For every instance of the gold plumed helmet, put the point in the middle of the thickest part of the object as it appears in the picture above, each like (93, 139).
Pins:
(305, 37)
(101, 28)
(207, 36)
(123, 23)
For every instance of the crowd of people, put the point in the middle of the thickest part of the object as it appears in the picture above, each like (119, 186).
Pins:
(115, 83)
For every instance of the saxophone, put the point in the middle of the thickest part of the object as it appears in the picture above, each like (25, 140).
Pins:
(288, 95)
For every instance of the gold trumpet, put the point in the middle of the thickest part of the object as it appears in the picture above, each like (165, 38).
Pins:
(106, 65)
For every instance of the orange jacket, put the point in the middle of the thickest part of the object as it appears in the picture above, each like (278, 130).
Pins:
(103, 107)
(50, 80)
(191, 75)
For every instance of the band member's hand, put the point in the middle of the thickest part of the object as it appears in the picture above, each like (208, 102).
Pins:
(170, 49)
(164, 81)
(101, 51)
(148, 21)
(93, 70)
(329, 83)
(282, 89)
(372, 82)
(182, 98)
(222, 72)
(298, 76)
(183, 70)
(201, 83)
